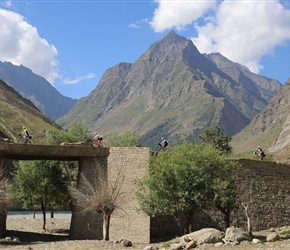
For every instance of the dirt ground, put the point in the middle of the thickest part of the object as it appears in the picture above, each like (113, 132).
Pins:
(26, 233)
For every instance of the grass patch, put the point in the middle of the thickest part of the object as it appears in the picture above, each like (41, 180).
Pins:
(285, 232)
(165, 245)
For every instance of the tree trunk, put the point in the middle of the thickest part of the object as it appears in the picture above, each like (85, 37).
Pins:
(250, 229)
(52, 213)
(44, 216)
(179, 224)
(106, 226)
(33, 213)
(189, 220)
(227, 218)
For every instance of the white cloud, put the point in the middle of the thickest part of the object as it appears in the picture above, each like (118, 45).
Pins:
(21, 44)
(178, 13)
(243, 31)
(78, 79)
(138, 24)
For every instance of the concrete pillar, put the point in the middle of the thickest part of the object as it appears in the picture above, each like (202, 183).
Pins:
(87, 225)
(3, 203)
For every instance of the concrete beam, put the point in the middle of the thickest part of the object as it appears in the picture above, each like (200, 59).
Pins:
(16, 151)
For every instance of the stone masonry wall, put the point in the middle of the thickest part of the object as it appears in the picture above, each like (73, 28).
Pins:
(129, 223)
(263, 185)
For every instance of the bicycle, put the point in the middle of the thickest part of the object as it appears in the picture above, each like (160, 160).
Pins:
(27, 140)
(99, 144)
(260, 156)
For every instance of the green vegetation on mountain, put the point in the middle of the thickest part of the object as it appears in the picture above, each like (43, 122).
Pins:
(17, 112)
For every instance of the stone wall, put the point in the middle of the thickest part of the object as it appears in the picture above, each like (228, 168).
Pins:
(263, 185)
(129, 223)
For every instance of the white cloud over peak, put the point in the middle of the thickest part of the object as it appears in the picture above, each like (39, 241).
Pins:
(243, 31)
(21, 44)
(178, 13)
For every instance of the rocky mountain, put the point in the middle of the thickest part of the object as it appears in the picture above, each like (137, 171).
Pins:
(174, 91)
(269, 129)
(35, 88)
(17, 112)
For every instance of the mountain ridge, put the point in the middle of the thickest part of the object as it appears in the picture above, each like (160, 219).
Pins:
(35, 88)
(173, 91)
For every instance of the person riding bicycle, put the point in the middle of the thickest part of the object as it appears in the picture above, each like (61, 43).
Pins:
(260, 153)
(25, 135)
(97, 139)
(163, 143)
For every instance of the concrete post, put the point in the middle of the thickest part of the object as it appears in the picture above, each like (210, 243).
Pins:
(87, 225)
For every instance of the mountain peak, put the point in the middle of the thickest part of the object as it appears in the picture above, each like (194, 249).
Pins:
(173, 37)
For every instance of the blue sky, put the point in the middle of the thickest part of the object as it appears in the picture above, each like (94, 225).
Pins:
(72, 43)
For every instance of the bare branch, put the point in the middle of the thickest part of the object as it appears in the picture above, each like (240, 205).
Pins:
(99, 194)
(250, 229)
(3, 193)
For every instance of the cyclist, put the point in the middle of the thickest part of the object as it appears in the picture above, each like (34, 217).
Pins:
(25, 135)
(260, 153)
(97, 139)
(163, 143)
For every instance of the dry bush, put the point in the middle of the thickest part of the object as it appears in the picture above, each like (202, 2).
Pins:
(3, 192)
(98, 194)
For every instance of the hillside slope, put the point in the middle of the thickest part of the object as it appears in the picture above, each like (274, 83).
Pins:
(269, 129)
(17, 112)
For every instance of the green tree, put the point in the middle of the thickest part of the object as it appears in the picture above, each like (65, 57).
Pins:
(128, 139)
(182, 181)
(77, 132)
(225, 189)
(215, 136)
(40, 184)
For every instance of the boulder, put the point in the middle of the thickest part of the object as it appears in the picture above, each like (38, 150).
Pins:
(235, 235)
(204, 236)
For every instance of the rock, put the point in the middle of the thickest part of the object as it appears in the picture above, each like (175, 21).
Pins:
(273, 237)
(16, 239)
(235, 235)
(205, 235)
(219, 244)
(256, 241)
(125, 243)
(191, 244)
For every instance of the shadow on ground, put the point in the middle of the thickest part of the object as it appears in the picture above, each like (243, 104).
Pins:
(30, 237)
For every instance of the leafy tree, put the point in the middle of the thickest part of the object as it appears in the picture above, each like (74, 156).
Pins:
(100, 195)
(225, 190)
(76, 133)
(128, 139)
(40, 184)
(182, 181)
(215, 136)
